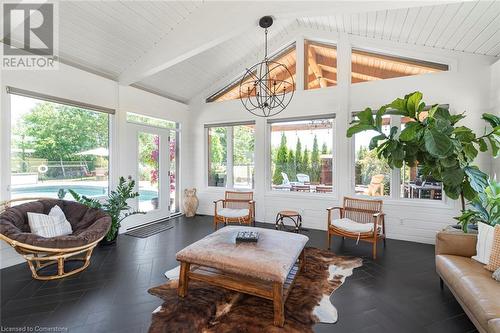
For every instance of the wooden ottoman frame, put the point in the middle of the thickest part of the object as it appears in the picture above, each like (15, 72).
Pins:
(274, 291)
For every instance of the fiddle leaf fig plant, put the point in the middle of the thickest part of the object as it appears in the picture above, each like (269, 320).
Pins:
(115, 204)
(432, 139)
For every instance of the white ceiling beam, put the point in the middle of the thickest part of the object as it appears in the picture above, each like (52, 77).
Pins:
(215, 22)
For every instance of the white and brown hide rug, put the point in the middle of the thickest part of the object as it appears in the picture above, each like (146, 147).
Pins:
(210, 309)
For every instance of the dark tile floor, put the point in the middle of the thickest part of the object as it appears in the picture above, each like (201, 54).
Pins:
(399, 292)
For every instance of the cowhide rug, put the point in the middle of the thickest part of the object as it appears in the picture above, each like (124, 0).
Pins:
(210, 309)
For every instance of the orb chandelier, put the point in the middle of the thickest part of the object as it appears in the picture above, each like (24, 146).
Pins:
(267, 87)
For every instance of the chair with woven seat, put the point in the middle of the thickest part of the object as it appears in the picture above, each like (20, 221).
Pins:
(237, 207)
(359, 219)
(89, 226)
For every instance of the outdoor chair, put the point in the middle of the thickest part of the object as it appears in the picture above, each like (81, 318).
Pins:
(89, 226)
(303, 178)
(237, 207)
(359, 219)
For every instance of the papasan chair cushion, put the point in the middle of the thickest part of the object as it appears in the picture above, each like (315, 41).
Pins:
(88, 224)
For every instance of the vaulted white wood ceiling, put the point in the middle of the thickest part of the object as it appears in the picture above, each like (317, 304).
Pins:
(180, 49)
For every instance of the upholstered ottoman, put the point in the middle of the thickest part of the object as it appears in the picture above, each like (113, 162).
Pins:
(265, 269)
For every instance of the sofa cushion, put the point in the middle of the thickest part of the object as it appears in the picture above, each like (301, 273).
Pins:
(472, 284)
(494, 262)
(484, 243)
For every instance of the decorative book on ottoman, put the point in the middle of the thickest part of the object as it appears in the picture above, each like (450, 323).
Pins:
(247, 236)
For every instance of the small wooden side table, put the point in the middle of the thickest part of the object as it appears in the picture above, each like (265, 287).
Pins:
(292, 215)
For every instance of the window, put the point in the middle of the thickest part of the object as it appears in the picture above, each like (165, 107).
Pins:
(150, 121)
(414, 184)
(56, 147)
(372, 175)
(302, 154)
(320, 65)
(231, 155)
(287, 57)
(368, 66)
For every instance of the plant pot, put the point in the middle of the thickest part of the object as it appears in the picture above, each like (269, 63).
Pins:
(154, 202)
(106, 242)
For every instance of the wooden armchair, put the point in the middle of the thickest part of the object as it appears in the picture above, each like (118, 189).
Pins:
(237, 207)
(360, 219)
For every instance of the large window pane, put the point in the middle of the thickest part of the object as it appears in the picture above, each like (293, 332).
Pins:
(243, 156)
(372, 175)
(414, 184)
(57, 147)
(217, 156)
(151, 121)
(149, 171)
(369, 66)
(320, 65)
(301, 155)
(173, 178)
(287, 57)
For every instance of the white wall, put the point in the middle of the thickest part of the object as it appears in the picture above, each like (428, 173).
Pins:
(465, 87)
(74, 84)
(495, 107)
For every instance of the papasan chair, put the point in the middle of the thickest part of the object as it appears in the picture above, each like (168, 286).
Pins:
(89, 226)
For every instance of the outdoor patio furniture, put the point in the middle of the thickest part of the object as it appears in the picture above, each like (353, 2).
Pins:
(359, 219)
(301, 188)
(324, 189)
(303, 178)
(237, 207)
(89, 226)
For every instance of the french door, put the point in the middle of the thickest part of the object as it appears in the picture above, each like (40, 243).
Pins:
(152, 147)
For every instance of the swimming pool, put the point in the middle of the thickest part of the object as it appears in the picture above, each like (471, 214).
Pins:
(91, 191)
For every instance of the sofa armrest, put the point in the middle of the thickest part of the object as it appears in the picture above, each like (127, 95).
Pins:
(456, 243)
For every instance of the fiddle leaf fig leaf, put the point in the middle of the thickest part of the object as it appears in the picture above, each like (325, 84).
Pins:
(410, 131)
(366, 116)
(359, 128)
(478, 180)
(437, 143)
(378, 117)
(492, 119)
(495, 146)
(470, 151)
(469, 192)
(482, 145)
(399, 105)
(453, 177)
(413, 103)
(374, 141)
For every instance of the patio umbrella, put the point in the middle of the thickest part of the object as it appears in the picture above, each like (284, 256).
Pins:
(96, 151)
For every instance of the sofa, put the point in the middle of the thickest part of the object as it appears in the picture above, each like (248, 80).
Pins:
(472, 285)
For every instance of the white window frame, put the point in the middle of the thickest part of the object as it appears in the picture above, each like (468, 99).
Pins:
(269, 177)
(6, 133)
(394, 196)
(229, 154)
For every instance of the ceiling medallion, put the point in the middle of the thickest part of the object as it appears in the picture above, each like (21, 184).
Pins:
(267, 87)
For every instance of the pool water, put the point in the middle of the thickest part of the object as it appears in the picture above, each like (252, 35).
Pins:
(90, 191)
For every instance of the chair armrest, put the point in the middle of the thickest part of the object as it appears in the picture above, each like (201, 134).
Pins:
(332, 208)
(215, 205)
(329, 210)
(216, 201)
(456, 243)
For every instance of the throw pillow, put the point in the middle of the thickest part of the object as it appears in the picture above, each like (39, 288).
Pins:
(49, 226)
(494, 262)
(496, 275)
(57, 212)
(484, 243)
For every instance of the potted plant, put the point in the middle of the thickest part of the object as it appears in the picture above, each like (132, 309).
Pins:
(484, 208)
(432, 139)
(115, 205)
